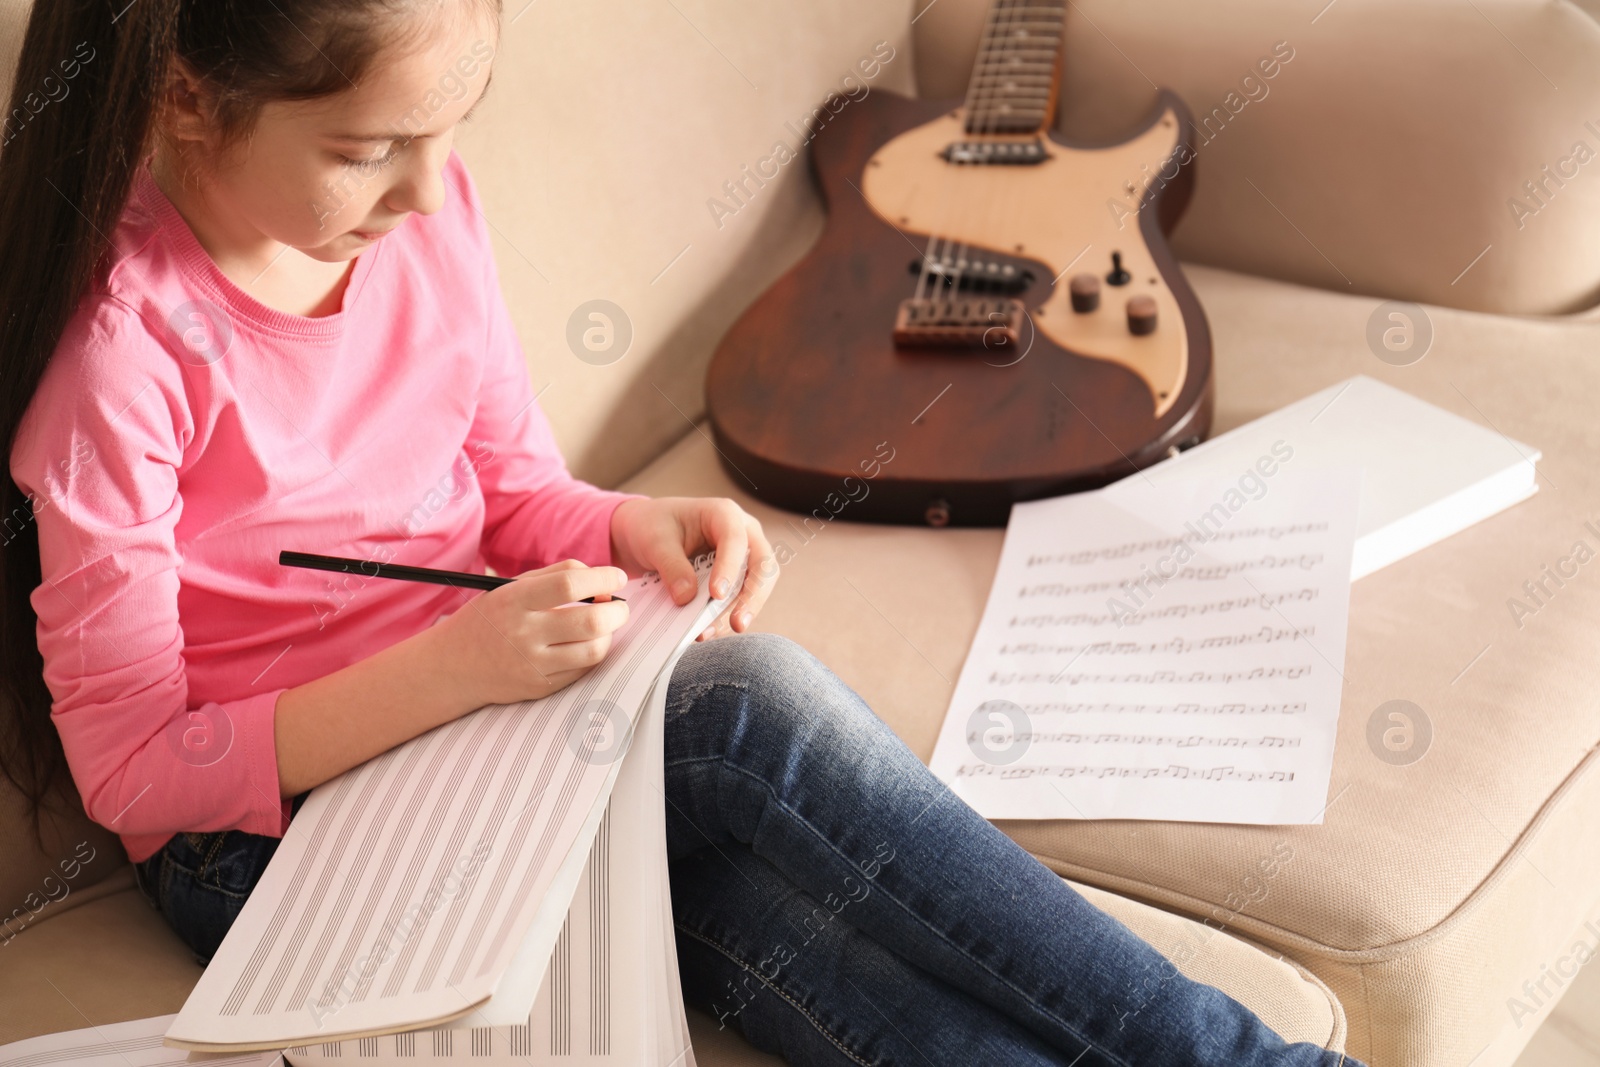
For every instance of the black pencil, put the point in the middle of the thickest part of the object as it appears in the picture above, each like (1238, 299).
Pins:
(372, 569)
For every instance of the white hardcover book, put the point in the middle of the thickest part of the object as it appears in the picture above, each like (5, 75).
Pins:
(1426, 473)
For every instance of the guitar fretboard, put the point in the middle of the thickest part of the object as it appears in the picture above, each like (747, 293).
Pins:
(1014, 79)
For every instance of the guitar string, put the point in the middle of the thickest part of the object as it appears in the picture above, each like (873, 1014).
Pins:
(1007, 46)
(924, 288)
(1024, 11)
(1019, 48)
(989, 51)
(1016, 12)
(945, 268)
(948, 285)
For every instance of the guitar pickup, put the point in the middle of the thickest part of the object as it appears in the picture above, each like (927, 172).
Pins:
(974, 275)
(990, 324)
(1005, 153)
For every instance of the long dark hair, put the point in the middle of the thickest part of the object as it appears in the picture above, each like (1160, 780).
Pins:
(85, 106)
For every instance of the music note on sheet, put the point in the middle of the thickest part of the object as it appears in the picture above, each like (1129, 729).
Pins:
(1161, 651)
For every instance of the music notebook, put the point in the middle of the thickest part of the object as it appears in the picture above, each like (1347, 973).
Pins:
(498, 882)
(609, 996)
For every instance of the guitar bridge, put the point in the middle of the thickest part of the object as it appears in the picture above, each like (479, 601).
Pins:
(958, 323)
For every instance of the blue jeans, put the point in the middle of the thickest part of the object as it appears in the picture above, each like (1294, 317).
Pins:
(199, 882)
(837, 905)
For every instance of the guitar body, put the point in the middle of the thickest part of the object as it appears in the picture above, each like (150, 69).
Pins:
(812, 402)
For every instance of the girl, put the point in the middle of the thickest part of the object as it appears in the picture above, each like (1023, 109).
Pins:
(249, 304)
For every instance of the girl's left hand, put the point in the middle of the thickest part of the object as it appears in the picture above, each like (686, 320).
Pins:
(661, 533)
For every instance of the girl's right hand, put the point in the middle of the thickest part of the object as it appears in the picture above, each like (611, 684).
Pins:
(528, 638)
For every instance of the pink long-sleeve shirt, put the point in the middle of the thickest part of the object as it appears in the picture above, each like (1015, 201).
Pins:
(184, 433)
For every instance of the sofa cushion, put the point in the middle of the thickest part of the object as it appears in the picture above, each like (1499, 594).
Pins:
(13, 20)
(109, 960)
(37, 882)
(1433, 890)
(1387, 153)
(115, 959)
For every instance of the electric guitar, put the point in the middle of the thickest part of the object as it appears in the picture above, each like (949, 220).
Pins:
(990, 305)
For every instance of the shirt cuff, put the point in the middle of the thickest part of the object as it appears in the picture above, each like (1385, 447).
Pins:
(255, 721)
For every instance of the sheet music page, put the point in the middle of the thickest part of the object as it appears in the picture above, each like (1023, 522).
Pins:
(1171, 651)
(405, 886)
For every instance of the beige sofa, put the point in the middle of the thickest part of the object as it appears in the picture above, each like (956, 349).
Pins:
(1382, 163)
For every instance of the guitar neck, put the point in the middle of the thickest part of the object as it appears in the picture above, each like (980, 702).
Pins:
(1018, 69)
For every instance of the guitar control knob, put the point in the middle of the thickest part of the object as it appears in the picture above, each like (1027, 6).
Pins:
(1119, 274)
(1141, 315)
(1085, 289)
